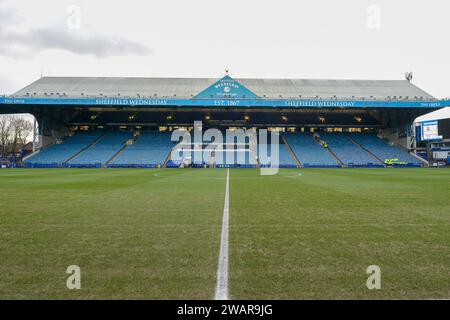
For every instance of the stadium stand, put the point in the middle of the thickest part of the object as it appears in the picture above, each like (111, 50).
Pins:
(103, 151)
(382, 149)
(348, 152)
(56, 155)
(275, 104)
(150, 150)
(309, 152)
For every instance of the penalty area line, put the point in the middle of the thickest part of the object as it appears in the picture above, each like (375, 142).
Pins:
(222, 269)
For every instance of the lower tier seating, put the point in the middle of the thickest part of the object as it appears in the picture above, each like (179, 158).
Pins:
(382, 149)
(347, 151)
(150, 149)
(308, 151)
(103, 151)
(56, 155)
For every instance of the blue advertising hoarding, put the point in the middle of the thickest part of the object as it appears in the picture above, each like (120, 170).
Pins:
(244, 103)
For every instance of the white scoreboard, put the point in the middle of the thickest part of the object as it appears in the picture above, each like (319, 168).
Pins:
(430, 130)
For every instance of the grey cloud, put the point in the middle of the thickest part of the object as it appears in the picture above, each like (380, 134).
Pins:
(33, 41)
(7, 85)
(37, 40)
(7, 15)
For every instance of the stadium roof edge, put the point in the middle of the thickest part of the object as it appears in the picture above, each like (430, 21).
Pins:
(134, 87)
(440, 114)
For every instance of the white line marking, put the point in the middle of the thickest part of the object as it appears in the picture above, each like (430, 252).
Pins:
(222, 269)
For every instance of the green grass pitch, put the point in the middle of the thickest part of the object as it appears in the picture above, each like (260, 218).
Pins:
(155, 234)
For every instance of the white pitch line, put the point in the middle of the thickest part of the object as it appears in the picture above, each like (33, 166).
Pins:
(222, 269)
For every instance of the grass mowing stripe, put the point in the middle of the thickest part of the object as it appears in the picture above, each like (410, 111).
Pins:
(313, 237)
(134, 235)
(222, 270)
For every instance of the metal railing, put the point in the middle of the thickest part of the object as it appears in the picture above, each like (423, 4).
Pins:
(299, 97)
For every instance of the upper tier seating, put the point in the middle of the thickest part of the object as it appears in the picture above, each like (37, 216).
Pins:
(149, 150)
(308, 151)
(57, 154)
(381, 149)
(347, 151)
(101, 152)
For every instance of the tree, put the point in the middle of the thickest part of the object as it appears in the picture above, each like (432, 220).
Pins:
(14, 131)
(25, 130)
(21, 129)
(5, 133)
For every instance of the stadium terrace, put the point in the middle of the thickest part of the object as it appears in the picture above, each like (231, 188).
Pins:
(128, 122)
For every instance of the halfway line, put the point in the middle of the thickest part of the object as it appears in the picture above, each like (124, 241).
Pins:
(222, 270)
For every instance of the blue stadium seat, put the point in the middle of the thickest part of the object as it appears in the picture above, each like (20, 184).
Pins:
(101, 152)
(382, 150)
(55, 155)
(308, 151)
(151, 149)
(349, 152)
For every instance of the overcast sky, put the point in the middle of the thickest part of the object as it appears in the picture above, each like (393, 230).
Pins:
(348, 39)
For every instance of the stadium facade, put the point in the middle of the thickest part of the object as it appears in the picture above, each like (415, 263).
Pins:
(126, 122)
